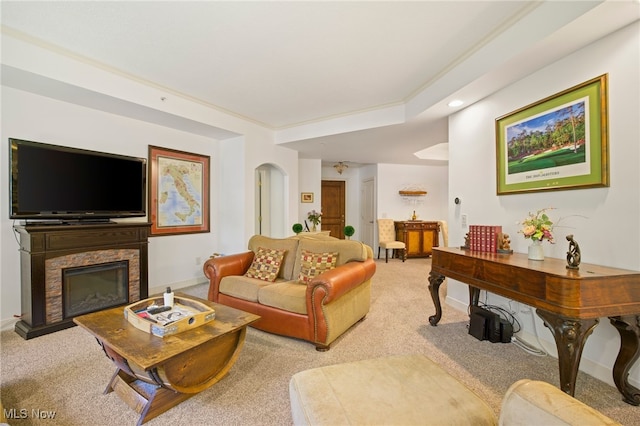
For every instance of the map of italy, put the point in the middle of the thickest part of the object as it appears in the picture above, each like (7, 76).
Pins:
(179, 193)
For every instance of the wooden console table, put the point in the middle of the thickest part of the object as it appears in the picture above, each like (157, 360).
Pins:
(418, 236)
(570, 302)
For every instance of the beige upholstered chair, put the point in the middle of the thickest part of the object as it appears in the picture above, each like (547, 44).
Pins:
(387, 240)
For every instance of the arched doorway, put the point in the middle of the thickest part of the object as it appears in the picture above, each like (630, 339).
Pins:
(270, 214)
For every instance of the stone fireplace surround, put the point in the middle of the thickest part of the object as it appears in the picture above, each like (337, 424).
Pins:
(46, 250)
(54, 276)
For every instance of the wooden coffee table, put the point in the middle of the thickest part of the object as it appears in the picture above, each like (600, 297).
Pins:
(153, 373)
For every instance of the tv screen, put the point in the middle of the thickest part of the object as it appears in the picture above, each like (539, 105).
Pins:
(57, 182)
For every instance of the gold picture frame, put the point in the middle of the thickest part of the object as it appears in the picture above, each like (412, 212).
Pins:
(306, 197)
(178, 192)
(557, 143)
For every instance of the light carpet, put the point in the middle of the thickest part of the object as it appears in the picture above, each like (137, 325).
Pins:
(66, 372)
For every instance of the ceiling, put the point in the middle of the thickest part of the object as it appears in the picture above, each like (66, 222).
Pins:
(362, 81)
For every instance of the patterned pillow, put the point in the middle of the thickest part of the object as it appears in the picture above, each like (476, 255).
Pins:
(266, 264)
(313, 264)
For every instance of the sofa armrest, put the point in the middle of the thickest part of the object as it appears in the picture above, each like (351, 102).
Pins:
(219, 267)
(527, 399)
(332, 284)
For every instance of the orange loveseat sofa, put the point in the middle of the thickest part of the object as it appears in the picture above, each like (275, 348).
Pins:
(296, 303)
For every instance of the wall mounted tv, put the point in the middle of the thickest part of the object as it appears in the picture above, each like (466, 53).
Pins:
(59, 183)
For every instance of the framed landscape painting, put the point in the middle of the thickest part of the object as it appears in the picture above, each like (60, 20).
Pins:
(178, 192)
(557, 143)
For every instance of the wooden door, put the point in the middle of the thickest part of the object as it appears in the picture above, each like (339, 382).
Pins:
(332, 205)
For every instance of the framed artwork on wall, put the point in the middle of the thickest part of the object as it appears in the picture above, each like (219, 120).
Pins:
(178, 192)
(306, 197)
(557, 143)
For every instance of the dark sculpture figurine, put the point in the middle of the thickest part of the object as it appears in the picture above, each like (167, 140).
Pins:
(573, 255)
(466, 241)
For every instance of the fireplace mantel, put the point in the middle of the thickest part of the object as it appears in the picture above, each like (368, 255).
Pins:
(42, 247)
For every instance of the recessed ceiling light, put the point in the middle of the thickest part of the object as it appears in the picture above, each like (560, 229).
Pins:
(455, 103)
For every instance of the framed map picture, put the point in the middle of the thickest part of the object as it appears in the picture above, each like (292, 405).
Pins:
(558, 143)
(178, 192)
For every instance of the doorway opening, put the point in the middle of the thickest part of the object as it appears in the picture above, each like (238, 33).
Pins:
(270, 202)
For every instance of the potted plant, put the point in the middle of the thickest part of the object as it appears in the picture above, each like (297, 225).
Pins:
(349, 231)
(297, 228)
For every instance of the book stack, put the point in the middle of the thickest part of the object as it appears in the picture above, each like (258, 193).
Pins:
(484, 237)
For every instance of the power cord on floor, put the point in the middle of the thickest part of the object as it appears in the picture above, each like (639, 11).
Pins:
(517, 327)
(530, 349)
(504, 314)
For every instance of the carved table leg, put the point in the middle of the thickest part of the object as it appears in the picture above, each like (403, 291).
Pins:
(629, 328)
(570, 335)
(434, 288)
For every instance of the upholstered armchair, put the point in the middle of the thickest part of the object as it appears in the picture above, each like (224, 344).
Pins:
(387, 240)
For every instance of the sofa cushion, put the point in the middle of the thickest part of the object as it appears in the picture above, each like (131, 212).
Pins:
(242, 287)
(313, 264)
(396, 390)
(266, 264)
(290, 255)
(285, 295)
(347, 250)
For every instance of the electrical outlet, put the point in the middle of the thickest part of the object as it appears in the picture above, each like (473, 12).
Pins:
(464, 220)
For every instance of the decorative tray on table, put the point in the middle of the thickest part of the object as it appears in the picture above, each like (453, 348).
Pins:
(151, 316)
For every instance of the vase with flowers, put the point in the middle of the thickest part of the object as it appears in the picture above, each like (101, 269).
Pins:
(537, 227)
(314, 217)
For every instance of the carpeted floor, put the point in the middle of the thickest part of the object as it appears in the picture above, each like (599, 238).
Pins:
(66, 372)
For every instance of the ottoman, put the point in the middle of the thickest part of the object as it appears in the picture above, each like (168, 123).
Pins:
(401, 390)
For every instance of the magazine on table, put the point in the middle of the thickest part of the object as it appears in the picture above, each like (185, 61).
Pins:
(176, 313)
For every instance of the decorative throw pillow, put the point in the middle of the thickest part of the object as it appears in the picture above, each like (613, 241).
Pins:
(313, 264)
(266, 264)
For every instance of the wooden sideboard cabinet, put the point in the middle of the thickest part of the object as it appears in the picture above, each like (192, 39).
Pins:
(419, 236)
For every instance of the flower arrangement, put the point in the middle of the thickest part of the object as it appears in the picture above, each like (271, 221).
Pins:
(538, 226)
(314, 217)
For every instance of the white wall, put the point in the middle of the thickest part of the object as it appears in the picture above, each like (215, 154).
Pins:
(37, 77)
(392, 178)
(604, 221)
(34, 117)
(309, 180)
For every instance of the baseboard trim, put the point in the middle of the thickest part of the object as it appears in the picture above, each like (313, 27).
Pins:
(8, 324)
(176, 286)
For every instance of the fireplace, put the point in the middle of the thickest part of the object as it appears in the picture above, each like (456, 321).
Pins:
(81, 278)
(94, 288)
(71, 270)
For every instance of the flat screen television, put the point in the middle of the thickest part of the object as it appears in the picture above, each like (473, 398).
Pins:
(51, 182)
